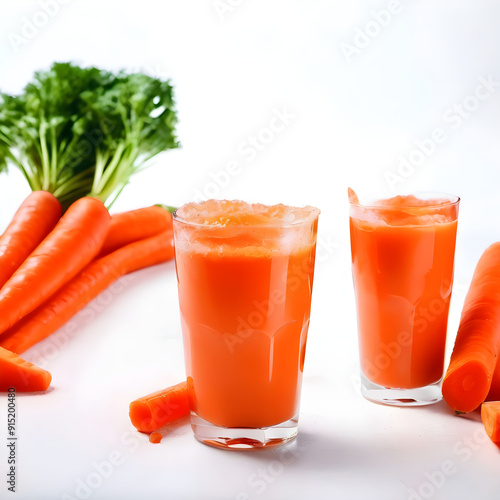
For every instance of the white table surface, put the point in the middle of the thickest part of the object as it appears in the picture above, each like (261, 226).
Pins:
(352, 120)
(347, 447)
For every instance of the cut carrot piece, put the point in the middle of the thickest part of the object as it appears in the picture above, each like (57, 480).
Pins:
(477, 345)
(155, 437)
(490, 415)
(21, 375)
(494, 394)
(135, 225)
(151, 412)
(69, 247)
(84, 287)
(33, 221)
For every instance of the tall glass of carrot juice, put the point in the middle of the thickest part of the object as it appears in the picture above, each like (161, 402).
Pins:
(245, 275)
(402, 260)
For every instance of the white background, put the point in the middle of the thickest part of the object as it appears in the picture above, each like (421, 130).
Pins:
(358, 103)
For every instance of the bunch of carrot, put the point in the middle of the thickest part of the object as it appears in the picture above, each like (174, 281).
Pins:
(52, 266)
(473, 375)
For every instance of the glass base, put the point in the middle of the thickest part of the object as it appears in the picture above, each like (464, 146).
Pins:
(241, 439)
(419, 396)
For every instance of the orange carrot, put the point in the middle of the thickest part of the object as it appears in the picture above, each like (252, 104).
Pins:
(33, 221)
(127, 227)
(477, 345)
(70, 246)
(151, 412)
(494, 394)
(84, 287)
(155, 437)
(21, 375)
(490, 415)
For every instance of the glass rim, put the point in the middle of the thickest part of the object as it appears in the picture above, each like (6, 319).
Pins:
(315, 212)
(451, 200)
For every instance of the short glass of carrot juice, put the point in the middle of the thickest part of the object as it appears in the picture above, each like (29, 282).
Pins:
(402, 262)
(245, 276)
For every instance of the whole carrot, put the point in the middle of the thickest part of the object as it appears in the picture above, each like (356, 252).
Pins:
(153, 411)
(134, 225)
(70, 246)
(477, 345)
(33, 221)
(84, 287)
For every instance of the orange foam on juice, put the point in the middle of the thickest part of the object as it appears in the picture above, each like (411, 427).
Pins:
(402, 253)
(245, 275)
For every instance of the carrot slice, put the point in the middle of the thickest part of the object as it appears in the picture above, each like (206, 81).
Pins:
(70, 246)
(477, 345)
(135, 225)
(490, 415)
(33, 221)
(84, 287)
(155, 437)
(22, 375)
(151, 412)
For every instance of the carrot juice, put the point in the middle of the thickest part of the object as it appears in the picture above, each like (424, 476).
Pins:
(245, 274)
(402, 260)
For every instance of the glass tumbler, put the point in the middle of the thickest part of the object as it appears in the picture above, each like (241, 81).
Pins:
(402, 262)
(245, 275)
